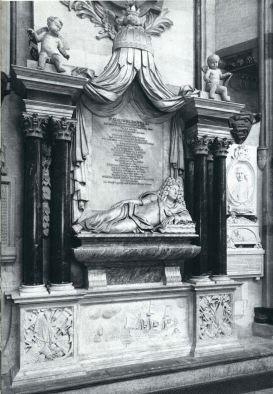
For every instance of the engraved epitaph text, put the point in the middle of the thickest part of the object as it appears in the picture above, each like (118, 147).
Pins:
(128, 157)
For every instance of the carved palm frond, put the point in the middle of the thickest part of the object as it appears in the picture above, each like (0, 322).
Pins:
(96, 13)
(156, 25)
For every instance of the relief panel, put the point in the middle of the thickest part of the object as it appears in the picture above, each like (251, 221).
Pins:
(241, 180)
(215, 316)
(122, 329)
(47, 334)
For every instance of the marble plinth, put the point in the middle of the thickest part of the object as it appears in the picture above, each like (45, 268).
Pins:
(102, 248)
(140, 335)
(116, 250)
(262, 330)
(214, 329)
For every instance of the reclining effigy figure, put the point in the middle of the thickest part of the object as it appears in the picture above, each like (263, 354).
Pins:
(152, 211)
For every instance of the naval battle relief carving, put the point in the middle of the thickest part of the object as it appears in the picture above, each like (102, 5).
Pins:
(152, 325)
(215, 316)
(241, 180)
(47, 334)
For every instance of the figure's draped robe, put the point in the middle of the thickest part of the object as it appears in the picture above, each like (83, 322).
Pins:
(106, 95)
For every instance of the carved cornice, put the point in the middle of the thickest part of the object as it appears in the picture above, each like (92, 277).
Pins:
(220, 146)
(62, 128)
(34, 125)
(200, 145)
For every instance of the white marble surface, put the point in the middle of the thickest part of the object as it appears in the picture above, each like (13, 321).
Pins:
(112, 153)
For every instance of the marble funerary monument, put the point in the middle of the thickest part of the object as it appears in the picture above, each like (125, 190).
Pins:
(127, 179)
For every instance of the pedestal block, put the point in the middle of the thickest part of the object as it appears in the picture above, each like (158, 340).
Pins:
(214, 330)
(100, 250)
(207, 133)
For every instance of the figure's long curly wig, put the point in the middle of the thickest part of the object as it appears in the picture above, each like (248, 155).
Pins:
(169, 182)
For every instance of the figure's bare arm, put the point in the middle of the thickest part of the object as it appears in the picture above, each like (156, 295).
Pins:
(206, 76)
(34, 34)
(62, 49)
(225, 75)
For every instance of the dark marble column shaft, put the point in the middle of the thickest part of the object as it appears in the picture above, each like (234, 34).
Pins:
(189, 185)
(219, 234)
(34, 127)
(210, 193)
(200, 148)
(60, 222)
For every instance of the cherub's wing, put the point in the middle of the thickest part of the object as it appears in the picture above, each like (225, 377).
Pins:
(204, 69)
(155, 25)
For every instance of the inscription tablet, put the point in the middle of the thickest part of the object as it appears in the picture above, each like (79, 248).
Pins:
(128, 157)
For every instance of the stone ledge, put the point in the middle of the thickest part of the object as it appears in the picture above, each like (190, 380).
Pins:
(177, 373)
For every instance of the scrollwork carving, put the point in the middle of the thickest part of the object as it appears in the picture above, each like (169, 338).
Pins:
(34, 125)
(215, 316)
(48, 334)
(112, 18)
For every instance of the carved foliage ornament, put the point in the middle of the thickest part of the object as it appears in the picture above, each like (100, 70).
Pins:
(215, 316)
(63, 128)
(48, 334)
(112, 15)
(220, 146)
(46, 187)
(200, 145)
(34, 125)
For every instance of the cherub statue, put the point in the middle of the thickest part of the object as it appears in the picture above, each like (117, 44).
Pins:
(152, 211)
(212, 77)
(51, 44)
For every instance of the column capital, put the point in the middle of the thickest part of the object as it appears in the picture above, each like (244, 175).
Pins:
(200, 145)
(63, 128)
(220, 146)
(34, 125)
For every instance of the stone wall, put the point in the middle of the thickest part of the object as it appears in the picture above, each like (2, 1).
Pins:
(236, 21)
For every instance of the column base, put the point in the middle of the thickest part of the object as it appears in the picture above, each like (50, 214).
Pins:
(221, 279)
(200, 279)
(31, 290)
(61, 288)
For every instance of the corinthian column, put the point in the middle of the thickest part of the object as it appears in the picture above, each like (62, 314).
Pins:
(60, 225)
(34, 128)
(219, 232)
(201, 150)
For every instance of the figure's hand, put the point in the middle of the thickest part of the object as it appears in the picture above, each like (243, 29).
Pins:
(227, 75)
(30, 31)
(67, 56)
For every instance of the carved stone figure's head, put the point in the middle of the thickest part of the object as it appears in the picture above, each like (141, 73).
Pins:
(240, 174)
(54, 24)
(213, 61)
(173, 189)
